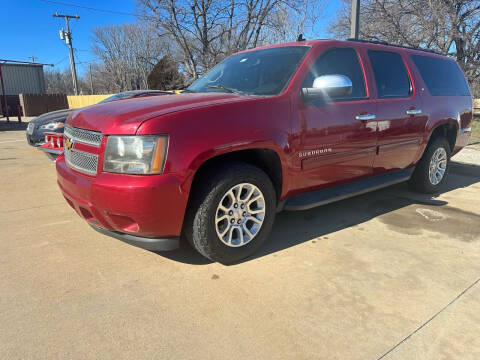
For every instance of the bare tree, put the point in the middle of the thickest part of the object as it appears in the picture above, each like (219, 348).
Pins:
(288, 22)
(448, 26)
(127, 54)
(60, 82)
(206, 31)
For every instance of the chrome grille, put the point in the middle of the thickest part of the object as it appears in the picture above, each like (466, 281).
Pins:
(81, 161)
(88, 137)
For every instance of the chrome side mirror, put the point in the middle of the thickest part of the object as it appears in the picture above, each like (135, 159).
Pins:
(329, 87)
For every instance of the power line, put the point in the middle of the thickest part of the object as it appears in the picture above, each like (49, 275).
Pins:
(65, 58)
(83, 63)
(80, 62)
(91, 8)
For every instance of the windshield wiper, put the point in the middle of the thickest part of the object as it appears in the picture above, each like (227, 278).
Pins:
(187, 91)
(221, 87)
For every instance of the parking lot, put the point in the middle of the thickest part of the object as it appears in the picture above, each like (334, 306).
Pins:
(388, 275)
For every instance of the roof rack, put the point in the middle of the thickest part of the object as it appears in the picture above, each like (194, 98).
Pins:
(395, 45)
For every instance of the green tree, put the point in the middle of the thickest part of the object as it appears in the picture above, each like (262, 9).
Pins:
(165, 75)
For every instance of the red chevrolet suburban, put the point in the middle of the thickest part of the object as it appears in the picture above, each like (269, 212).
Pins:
(289, 126)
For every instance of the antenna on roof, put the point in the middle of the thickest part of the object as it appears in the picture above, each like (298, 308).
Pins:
(300, 37)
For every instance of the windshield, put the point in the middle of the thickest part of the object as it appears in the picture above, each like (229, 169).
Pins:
(259, 72)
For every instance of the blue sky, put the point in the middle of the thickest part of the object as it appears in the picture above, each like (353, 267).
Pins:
(32, 30)
(29, 29)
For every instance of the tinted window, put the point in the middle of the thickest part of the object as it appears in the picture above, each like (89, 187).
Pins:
(341, 61)
(390, 73)
(442, 76)
(258, 72)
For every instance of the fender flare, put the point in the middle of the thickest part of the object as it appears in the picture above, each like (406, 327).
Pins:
(208, 155)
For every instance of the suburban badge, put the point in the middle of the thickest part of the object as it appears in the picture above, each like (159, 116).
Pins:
(314, 152)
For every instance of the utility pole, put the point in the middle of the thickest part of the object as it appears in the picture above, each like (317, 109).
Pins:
(4, 96)
(354, 23)
(33, 58)
(91, 79)
(67, 37)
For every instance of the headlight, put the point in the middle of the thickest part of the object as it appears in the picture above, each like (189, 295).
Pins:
(135, 154)
(51, 126)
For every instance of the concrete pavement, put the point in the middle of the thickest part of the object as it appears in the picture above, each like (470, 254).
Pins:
(387, 275)
(469, 155)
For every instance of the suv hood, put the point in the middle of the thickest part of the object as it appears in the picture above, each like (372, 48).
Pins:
(125, 116)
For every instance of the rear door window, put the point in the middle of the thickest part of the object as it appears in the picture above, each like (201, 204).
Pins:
(442, 77)
(391, 77)
(339, 61)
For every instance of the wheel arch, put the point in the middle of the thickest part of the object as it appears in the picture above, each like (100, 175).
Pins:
(447, 129)
(265, 158)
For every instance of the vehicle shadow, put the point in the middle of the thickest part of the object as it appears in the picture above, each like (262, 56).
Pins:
(292, 228)
(12, 125)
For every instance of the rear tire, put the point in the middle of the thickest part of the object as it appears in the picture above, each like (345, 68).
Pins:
(220, 205)
(432, 169)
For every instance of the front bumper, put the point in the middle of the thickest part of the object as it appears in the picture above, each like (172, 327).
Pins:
(152, 244)
(149, 209)
(53, 145)
(51, 153)
(37, 138)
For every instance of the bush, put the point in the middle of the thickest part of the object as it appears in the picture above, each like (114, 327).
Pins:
(165, 75)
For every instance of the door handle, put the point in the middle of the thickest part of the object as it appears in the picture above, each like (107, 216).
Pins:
(365, 117)
(413, 112)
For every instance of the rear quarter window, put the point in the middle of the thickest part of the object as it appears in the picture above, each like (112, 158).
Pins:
(442, 77)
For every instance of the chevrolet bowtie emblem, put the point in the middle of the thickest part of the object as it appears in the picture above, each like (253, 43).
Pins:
(68, 143)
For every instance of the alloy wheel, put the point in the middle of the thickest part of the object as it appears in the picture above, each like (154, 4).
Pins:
(438, 166)
(240, 214)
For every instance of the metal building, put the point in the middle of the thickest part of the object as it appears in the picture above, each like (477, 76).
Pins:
(23, 78)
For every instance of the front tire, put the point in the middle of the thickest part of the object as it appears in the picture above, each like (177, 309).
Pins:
(432, 169)
(231, 213)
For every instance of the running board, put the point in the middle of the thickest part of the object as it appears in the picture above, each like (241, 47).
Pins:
(328, 195)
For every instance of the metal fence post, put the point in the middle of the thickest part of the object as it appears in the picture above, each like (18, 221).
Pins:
(4, 94)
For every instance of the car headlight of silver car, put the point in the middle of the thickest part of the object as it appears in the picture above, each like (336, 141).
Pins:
(144, 154)
(51, 126)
